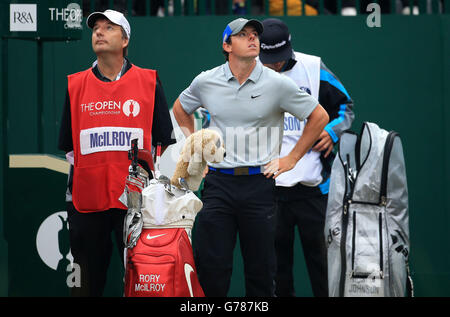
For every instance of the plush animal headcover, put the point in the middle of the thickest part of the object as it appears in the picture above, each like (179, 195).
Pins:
(203, 146)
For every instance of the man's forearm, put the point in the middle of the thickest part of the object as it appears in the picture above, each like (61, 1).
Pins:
(315, 124)
(185, 121)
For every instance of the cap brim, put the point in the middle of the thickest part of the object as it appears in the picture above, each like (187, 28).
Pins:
(256, 24)
(275, 57)
(93, 17)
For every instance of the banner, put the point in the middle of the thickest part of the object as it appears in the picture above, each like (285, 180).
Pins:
(43, 19)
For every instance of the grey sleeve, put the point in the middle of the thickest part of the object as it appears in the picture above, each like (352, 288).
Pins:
(295, 100)
(190, 97)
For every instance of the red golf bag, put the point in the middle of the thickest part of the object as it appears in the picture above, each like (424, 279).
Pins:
(162, 264)
(159, 259)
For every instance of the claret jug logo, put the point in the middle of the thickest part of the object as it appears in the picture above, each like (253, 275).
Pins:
(52, 240)
(53, 247)
(131, 107)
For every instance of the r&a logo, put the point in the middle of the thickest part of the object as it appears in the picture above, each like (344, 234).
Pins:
(22, 17)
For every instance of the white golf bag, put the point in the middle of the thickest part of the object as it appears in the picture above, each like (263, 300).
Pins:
(367, 222)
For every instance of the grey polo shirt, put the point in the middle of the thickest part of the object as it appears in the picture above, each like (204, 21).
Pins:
(250, 116)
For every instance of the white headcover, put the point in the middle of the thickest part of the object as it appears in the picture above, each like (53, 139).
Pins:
(162, 210)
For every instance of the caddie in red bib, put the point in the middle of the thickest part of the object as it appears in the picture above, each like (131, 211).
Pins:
(102, 129)
(106, 107)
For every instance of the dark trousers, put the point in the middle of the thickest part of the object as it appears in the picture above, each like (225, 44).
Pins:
(91, 246)
(305, 208)
(232, 205)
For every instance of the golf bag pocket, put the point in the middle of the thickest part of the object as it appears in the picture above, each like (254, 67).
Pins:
(365, 277)
(150, 276)
(371, 286)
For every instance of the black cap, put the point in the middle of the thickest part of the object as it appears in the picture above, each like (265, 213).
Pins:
(275, 42)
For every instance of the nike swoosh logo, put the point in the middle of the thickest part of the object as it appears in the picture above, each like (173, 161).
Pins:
(149, 237)
(253, 97)
(187, 273)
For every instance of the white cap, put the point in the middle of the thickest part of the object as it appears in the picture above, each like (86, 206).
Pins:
(115, 17)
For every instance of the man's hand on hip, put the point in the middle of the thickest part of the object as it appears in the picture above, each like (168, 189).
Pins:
(278, 166)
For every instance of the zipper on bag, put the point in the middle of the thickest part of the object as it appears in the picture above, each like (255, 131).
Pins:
(380, 232)
(346, 204)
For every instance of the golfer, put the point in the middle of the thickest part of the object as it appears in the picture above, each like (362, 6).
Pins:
(247, 102)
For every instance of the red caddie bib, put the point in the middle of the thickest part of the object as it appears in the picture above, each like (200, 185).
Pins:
(106, 116)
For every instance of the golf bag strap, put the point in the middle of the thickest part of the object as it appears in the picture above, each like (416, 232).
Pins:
(385, 169)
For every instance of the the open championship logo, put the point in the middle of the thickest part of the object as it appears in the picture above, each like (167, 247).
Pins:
(72, 15)
(111, 107)
(53, 247)
(52, 240)
(75, 16)
(131, 107)
(22, 17)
